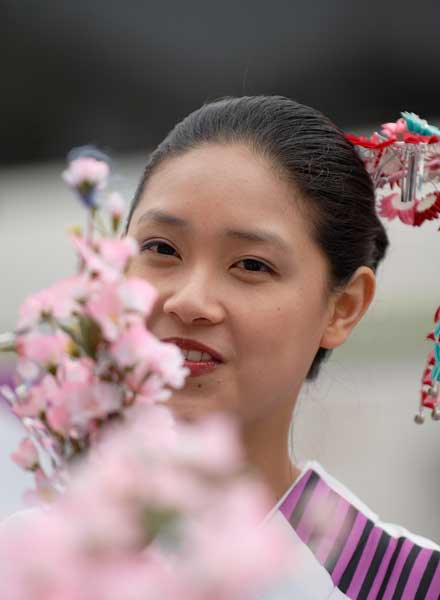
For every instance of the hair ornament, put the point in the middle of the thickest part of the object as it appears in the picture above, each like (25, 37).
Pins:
(403, 161)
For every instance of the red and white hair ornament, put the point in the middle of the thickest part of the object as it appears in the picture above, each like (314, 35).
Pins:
(403, 161)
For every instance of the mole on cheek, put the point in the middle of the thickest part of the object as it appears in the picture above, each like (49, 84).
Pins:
(199, 385)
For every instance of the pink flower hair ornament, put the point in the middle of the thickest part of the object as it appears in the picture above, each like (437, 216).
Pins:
(403, 161)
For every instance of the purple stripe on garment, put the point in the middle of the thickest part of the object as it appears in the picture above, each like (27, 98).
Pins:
(434, 588)
(364, 563)
(349, 548)
(324, 548)
(382, 569)
(394, 578)
(417, 573)
(291, 500)
(314, 509)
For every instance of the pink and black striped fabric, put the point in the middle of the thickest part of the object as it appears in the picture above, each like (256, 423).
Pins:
(364, 559)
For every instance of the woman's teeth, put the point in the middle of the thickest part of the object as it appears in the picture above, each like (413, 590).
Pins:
(196, 356)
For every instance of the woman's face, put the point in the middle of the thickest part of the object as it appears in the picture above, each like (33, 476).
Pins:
(229, 251)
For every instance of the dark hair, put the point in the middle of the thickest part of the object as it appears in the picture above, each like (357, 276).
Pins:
(312, 153)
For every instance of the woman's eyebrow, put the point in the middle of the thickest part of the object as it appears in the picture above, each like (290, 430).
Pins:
(162, 217)
(258, 236)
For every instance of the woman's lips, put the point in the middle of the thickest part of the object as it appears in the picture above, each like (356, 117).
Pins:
(201, 368)
(195, 362)
(187, 344)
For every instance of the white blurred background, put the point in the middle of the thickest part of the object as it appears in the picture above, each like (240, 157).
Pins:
(357, 420)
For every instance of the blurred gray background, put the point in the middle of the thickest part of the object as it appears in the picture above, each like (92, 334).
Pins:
(120, 74)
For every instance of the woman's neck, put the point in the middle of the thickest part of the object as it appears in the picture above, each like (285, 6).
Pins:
(266, 448)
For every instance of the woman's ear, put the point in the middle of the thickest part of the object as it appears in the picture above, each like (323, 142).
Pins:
(348, 306)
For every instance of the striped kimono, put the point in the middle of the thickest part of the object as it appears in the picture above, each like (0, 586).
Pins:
(342, 550)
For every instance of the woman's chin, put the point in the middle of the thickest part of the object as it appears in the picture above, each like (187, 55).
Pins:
(188, 407)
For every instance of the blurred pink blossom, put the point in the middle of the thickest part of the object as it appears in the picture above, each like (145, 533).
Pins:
(87, 169)
(110, 304)
(80, 370)
(47, 349)
(133, 346)
(27, 369)
(141, 520)
(106, 258)
(168, 361)
(220, 457)
(57, 417)
(106, 308)
(117, 252)
(38, 398)
(26, 456)
(149, 387)
(115, 205)
(74, 404)
(137, 295)
(57, 301)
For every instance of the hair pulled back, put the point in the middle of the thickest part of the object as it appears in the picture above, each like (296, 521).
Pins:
(312, 153)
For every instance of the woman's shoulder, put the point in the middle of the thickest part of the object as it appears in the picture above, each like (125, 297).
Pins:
(363, 555)
(343, 491)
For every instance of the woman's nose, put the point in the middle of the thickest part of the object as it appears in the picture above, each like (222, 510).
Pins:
(194, 298)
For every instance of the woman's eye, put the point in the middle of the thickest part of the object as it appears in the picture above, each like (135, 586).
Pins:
(252, 264)
(158, 247)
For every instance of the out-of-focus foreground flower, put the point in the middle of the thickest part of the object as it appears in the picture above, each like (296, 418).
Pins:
(160, 510)
(141, 507)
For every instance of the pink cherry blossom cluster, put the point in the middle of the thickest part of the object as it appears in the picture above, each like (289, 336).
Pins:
(85, 354)
(160, 510)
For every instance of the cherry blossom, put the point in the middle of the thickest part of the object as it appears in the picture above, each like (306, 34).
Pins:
(48, 350)
(105, 258)
(168, 361)
(137, 295)
(57, 301)
(115, 205)
(37, 399)
(106, 308)
(135, 345)
(117, 252)
(87, 175)
(26, 456)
